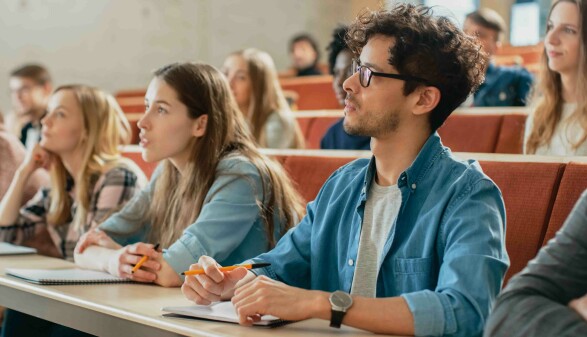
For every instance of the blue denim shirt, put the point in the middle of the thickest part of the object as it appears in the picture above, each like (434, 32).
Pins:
(504, 86)
(445, 255)
(229, 227)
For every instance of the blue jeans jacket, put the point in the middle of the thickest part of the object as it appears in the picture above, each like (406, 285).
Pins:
(445, 255)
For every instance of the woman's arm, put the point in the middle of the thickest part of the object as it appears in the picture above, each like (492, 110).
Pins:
(10, 204)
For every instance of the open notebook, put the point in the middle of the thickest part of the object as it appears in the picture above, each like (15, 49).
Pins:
(63, 276)
(219, 311)
(10, 249)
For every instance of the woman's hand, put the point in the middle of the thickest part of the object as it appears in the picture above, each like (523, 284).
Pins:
(35, 159)
(95, 237)
(122, 263)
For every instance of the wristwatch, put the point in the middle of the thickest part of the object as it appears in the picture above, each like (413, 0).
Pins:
(340, 302)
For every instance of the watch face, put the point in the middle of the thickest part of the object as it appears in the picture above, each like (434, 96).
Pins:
(341, 299)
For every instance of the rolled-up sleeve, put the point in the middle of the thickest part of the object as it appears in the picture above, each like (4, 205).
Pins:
(472, 268)
(230, 211)
(535, 302)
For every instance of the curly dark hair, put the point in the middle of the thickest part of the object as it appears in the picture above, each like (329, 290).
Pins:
(337, 45)
(428, 47)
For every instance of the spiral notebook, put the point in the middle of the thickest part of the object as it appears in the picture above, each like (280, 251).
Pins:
(64, 276)
(219, 311)
(10, 249)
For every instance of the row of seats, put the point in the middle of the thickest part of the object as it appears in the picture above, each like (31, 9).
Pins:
(539, 192)
(483, 130)
(309, 93)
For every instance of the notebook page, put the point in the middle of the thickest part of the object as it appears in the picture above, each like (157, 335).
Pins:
(63, 276)
(10, 249)
(219, 311)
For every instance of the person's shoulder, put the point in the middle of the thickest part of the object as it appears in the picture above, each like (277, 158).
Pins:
(514, 71)
(236, 163)
(466, 172)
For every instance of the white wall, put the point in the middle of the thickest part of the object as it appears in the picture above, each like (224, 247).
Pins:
(116, 44)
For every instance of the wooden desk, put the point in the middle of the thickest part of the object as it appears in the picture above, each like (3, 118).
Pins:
(126, 309)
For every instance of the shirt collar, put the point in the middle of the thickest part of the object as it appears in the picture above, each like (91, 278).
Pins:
(411, 177)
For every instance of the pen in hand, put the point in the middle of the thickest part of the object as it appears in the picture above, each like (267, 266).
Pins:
(142, 260)
(228, 268)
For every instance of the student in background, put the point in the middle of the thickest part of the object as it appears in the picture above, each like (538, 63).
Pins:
(253, 81)
(30, 88)
(305, 55)
(81, 134)
(558, 123)
(503, 86)
(214, 192)
(340, 59)
(415, 235)
(12, 154)
(549, 297)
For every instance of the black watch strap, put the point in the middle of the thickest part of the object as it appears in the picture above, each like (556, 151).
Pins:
(336, 318)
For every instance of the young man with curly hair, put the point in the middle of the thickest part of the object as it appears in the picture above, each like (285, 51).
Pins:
(410, 242)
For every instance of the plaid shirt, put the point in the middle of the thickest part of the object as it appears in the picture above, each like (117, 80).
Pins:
(111, 190)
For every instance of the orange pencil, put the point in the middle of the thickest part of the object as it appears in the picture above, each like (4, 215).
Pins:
(142, 260)
(228, 268)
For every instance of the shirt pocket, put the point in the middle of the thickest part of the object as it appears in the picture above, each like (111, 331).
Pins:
(414, 274)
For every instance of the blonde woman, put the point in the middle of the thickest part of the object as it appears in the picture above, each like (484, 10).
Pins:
(253, 81)
(213, 193)
(81, 134)
(558, 125)
(89, 179)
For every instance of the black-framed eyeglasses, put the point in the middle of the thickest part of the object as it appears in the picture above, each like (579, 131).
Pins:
(365, 75)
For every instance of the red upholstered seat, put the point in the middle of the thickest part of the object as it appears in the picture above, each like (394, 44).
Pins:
(471, 133)
(528, 190)
(573, 183)
(511, 134)
(317, 130)
(309, 173)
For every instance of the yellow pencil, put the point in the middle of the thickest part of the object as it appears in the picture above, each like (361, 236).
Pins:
(142, 260)
(228, 268)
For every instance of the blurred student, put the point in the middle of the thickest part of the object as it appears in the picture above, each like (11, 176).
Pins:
(30, 88)
(503, 86)
(12, 154)
(340, 59)
(305, 56)
(253, 81)
(558, 123)
(213, 194)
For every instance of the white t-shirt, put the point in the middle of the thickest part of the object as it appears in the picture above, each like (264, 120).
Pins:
(381, 210)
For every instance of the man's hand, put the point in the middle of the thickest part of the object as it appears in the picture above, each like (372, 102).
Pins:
(580, 306)
(214, 285)
(264, 296)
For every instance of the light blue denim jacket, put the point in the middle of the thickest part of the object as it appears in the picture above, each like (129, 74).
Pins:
(445, 255)
(229, 227)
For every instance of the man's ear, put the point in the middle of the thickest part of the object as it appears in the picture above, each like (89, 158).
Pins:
(199, 126)
(428, 99)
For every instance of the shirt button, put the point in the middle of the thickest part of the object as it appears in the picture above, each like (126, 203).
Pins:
(413, 186)
(351, 262)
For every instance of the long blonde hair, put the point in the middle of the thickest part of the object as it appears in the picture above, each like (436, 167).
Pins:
(178, 199)
(106, 128)
(266, 96)
(547, 97)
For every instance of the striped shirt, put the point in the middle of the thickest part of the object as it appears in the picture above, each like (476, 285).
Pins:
(111, 191)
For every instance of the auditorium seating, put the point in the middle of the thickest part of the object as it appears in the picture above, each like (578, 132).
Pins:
(484, 130)
(314, 92)
(539, 192)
